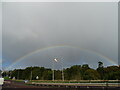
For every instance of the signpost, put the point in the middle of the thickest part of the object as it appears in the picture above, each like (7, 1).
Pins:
(37, 77)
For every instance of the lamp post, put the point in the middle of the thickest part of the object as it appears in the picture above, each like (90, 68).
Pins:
(62, 70)
(18, 75)
(53, 75)
(31, 74)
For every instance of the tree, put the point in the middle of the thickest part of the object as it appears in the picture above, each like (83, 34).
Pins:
(100, 64)
(112, 73)
(75, 72)
(85, 67)
(100, 69)
(91, 74)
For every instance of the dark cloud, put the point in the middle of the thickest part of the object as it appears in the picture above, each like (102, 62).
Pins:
(31, 26)
(0, 36)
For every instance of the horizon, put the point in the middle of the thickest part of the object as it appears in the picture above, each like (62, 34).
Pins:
(61, 68)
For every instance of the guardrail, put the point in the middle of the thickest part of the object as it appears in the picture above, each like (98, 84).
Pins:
(77, 85)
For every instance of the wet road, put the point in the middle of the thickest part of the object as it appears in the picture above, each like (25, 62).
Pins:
(14, 84)
(22, 86)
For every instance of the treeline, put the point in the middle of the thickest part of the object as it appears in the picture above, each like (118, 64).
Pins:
(76, 72)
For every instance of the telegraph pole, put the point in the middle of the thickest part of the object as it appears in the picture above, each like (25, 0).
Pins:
(53, 76)
(18, 75)
(31, 74)
(62, 70)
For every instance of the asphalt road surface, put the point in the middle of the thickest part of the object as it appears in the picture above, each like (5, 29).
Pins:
(14, 84)
(22, 86)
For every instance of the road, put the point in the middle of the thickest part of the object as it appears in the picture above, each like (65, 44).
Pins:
(66, 86)
(15, 84)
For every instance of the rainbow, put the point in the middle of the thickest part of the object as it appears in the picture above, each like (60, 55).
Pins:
(54, 47)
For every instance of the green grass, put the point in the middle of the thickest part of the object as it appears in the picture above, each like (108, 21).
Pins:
(68, 81)
(75, 81)
(7, 78)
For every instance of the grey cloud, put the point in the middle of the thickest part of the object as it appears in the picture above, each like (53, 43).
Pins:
(29, 26)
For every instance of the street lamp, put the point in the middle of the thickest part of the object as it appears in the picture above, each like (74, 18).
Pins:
(53, 75)
(62, 70)
(31, 74)
(18, 75)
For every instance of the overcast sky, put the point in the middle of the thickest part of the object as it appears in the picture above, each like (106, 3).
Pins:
(0, 36)
(82, 29)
